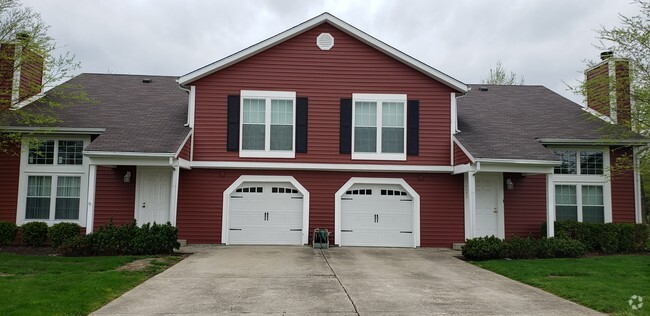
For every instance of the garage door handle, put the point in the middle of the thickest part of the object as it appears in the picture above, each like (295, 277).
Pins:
(405, 232)
(236, 197)
(407, 200)
(235, 229)
(297, 197)
(347, 199)
(295, 229)
(346, 230)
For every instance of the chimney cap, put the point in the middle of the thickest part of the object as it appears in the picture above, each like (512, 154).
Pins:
(606, 55)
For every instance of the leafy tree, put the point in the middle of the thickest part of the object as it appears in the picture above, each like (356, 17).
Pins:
(501, 76)
(24, 42)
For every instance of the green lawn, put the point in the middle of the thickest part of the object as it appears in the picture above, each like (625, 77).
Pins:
(46, 285)
(603, 283)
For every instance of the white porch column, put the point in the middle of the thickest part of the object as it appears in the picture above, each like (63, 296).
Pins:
(550, 206)
(173, 201)
(92, 184)
(470, 204)
(637, 186)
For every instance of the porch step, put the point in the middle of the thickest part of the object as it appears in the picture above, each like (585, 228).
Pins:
(457, 245)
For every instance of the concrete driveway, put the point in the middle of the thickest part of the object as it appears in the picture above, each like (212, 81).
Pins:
(340, 281)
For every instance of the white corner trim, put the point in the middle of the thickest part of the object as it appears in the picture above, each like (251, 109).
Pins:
(173, 197)
(638, 211)
(319, 166)
(191, 106)
(226, 202)
(92, 186)
(550, 206)
(396, 181)
(611, 64)
(339, 24)
(15, 87)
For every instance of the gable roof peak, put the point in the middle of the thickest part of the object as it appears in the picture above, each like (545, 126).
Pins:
(309, 24)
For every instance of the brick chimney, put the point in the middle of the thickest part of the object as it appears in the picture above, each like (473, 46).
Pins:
(608, 88)
(21, 72)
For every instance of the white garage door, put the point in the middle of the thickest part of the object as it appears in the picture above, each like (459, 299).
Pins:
(377, 215)
(265, 213)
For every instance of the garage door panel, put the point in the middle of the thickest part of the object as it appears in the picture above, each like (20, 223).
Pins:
(265, 213)
(377, 215)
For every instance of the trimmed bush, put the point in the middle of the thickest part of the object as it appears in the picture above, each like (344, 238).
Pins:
(484, 248)
(7, 233)
(560, 248)
(128, 239)
(520, 248)
(61, 232)
(34, 233)
(605, 238)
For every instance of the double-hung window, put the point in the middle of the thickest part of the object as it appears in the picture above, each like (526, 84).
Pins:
(582, 188)
(268, 126)
(379, 126)
(53, 176)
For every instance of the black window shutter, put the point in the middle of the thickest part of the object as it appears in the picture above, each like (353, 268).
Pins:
(345, 136)
(413, 127)
(233, 123)
(301, 124)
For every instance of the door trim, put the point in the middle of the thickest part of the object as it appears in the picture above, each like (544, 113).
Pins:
(395, 181)
(226, 202)
(500, 206)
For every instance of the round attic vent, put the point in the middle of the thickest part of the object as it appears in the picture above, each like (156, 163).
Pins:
(325, 41)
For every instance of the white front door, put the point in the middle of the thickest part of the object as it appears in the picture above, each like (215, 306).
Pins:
(265, 213)
(154, 189)
(377, 215)
(488, 186)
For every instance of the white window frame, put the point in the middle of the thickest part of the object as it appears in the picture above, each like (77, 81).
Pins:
(579, 180)
(379, 99)
(55, 171)
(267, 96)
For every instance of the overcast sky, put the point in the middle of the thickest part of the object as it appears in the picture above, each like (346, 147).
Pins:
(545, 41)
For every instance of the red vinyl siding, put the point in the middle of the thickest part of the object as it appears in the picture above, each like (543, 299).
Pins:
(200, 202)
(622, 189)
(9, 173)
(114, 198)
(460, 157)
(324, 77)
(525, 205)
(186, 150)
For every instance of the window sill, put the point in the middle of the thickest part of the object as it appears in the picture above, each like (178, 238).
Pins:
(375, 156)
(266, 154)
(50, 222)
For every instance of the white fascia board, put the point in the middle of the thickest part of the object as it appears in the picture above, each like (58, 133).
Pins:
(596, 142)
(520, 162)
(341, 25)
(57, 130)
(126, 154)
(130, 161)
(180, 148)
(319, 166)
(516, 168)
(471, 158)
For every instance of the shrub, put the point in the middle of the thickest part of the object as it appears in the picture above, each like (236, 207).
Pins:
(520, 248)
(34, 233)
(555, 247)
(484, 248)
(61, 232)
(7, 233)
(78, 246)
(127, 239)
(605, 238)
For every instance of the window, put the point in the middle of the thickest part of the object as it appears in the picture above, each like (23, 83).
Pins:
(267, 124)
(582, 186)
(588, 206)
(379, 126)
(589, 162)
(52, 178)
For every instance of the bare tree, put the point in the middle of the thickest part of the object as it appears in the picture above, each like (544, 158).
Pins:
(501, 76)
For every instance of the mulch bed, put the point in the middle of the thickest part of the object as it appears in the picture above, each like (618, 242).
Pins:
(29, 251)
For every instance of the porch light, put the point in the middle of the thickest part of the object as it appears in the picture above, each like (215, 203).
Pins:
(509, 184)
(127, 177)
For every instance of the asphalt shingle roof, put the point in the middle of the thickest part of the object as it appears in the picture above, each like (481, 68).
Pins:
(137, 116)
(505, 122)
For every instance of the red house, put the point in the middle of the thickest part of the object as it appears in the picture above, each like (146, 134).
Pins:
(322, 126)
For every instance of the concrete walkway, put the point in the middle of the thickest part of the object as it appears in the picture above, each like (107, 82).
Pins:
(339, 281)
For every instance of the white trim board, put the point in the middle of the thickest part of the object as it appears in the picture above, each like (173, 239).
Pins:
(309, 24)
(226, 202)
(397, 181)
(319, 166)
